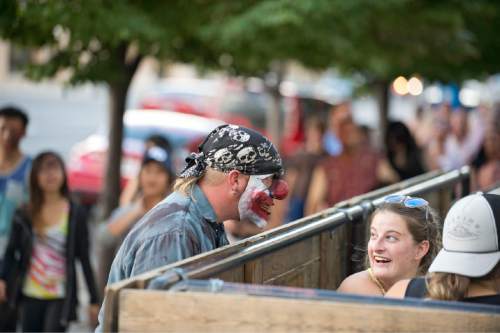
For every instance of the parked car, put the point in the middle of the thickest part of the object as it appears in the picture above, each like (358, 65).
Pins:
(193, 96)
(88, 157)
(237, 102)
(223, 99)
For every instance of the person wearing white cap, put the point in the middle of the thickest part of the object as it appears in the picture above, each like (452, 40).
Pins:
(467, 268)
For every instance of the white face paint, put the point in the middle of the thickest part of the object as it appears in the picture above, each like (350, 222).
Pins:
(256, 201)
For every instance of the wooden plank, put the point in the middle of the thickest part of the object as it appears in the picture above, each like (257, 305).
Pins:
(281, 261)
(253, 272)
(304, 276)
(111, 303)
(340, 255)
(155, 311)
(327, 263)
(233, 275)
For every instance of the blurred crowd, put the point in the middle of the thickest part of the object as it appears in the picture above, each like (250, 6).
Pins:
(340, 159)
(337, 160)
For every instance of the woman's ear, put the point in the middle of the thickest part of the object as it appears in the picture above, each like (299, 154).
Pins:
(422, 249)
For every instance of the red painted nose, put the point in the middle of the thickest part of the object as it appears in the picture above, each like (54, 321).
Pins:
(279, 189)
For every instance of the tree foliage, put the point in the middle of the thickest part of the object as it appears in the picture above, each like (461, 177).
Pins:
(446, 40)
(104, 41)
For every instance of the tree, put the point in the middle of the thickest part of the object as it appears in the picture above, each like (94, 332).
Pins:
(104, 42)
(444, 40)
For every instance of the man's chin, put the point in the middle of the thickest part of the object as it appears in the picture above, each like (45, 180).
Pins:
(259, 219)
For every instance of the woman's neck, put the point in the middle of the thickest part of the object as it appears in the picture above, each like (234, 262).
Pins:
(52, 197)
(9, 158)
(484, 288)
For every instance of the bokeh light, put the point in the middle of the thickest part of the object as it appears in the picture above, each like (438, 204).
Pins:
(400, 85)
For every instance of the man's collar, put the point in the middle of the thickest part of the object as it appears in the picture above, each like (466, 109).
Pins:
(202, 204)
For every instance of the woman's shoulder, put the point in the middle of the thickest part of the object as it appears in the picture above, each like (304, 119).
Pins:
(359, 283)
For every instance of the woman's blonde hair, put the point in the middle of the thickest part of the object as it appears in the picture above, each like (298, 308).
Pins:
(454, 287)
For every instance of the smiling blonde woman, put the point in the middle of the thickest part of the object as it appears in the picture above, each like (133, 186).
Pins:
(404, 238)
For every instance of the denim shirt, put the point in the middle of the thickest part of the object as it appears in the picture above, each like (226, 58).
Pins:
(177, 228)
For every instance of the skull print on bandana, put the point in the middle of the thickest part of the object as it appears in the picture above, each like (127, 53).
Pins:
(231, 147)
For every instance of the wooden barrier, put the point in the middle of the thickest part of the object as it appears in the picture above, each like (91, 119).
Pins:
(314, 252)
(239, 312)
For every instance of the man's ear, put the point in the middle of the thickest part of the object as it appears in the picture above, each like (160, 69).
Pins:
(237, 181)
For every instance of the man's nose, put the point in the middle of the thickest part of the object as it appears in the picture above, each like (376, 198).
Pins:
(279, 189)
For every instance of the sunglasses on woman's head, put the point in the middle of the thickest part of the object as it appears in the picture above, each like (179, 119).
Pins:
(409, 202)
(406, 200)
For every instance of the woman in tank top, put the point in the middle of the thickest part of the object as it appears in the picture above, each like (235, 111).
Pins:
(47, 237)
(404, 237)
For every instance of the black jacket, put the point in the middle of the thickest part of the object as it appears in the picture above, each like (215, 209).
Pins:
(18, 257)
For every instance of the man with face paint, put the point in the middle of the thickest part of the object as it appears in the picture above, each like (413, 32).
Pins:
(234, 175)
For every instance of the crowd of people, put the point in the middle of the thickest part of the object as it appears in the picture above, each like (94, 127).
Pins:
(237, 185)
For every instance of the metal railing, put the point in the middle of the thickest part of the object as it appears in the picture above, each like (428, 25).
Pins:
(336, 219)
(221, 260)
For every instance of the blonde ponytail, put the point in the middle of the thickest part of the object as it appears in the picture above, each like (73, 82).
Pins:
(447, 286)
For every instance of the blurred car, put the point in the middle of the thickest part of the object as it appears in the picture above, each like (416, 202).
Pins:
(223, 99)
(240, 103)
(192, 96)
(88, 157)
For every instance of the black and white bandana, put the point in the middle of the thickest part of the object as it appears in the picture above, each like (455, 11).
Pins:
(231, 147)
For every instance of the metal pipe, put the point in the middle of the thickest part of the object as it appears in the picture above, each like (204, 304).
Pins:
(330, 222)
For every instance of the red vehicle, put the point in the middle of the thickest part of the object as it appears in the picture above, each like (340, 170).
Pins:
(87, 158)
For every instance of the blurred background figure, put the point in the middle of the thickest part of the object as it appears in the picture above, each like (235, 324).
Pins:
(47, 238)
(331, 141)
(402, 151)
(14, 169)
(358, 169)
(299, 168)
(457, 141)
(421, 126)
(131, 190)
(155, 181)
(489, 172)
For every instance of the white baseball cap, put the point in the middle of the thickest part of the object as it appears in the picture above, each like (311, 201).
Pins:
(471, 236)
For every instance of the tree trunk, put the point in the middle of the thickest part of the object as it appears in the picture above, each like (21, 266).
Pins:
(118, 96)
(383, 95)
(111, 194)
(274, 116)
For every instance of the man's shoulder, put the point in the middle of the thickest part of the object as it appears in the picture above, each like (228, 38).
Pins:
(19, 171)
(169, 216)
